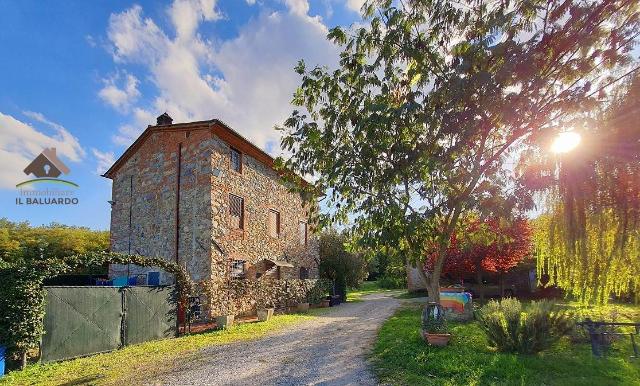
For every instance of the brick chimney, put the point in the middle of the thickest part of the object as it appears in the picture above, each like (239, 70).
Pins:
(164, 120)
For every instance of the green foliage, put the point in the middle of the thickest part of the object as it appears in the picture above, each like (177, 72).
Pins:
(434, 325)
(430, 100)
(509, 329)
(240, 296)
(22, 309)
(387, 267)
(338, 264)
(400, 357)
(590, 236)
(393, 281)
(319, 291)
(20, 242)
(22, 295)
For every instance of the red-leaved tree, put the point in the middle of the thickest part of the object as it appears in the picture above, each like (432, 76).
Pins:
(491, 245)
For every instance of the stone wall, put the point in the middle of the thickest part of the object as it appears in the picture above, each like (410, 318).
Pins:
(262, 189)
(145, 189)
(152, 174)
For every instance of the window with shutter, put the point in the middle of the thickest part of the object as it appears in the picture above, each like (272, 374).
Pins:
(236, 212)
(274, 223)
(303, 232)
(235, 160)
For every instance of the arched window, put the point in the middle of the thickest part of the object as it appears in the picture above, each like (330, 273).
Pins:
(304, 273)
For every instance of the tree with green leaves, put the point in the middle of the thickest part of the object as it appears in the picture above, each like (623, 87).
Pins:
(432, 98)
(589, 238)
(338, 263)
(20, 242)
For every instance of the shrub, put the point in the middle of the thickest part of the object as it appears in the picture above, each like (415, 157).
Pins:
(511, 330)
(392, 282)
(434, 325)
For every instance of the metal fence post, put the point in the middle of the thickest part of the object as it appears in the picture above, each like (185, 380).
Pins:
(123, 321)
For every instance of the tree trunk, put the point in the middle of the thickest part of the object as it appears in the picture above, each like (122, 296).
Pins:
(23, 361)
(480, 285)
(501, 280)
(433, 286)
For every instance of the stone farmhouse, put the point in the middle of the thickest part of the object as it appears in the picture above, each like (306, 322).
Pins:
(202, 195)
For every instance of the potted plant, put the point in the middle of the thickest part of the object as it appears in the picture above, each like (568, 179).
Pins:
(316, 295)
(264, 302)
(227, 309)
(228, 315)
(434, 325)
(303, 301)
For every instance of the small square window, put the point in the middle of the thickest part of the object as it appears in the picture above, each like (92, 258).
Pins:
(302, 231)
(236, 212)
(237, 269)
(274, 223)
(235, 159)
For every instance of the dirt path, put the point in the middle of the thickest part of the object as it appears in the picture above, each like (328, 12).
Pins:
(328, 350)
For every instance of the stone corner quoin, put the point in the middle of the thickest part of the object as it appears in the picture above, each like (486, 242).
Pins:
(193, 161)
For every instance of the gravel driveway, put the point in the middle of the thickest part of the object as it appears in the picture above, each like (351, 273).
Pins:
(328, 350)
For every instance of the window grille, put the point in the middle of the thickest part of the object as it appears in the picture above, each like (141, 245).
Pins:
(237, 269)
(236, 212)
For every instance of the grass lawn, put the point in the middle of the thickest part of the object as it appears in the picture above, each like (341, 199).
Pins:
(402, 358)
(367, 287)
(137, 364)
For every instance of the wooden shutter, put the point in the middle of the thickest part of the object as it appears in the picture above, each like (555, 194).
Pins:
(302, 230)
(274, 223)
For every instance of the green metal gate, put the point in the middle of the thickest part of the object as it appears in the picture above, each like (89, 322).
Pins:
(150, 314)
(80, 321)
(87, 320)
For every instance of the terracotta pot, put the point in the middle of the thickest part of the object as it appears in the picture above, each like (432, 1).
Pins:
(265, 314)
(303, 307)
(325, 303)
(224, 321)
(439, 340)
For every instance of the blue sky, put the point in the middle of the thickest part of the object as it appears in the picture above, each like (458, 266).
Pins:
(86, 77)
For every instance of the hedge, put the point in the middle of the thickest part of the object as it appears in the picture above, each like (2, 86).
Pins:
(241, 296)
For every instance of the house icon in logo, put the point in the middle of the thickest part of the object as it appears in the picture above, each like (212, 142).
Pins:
(47, 164)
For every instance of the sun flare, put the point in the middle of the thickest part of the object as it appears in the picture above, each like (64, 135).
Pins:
(565, 142)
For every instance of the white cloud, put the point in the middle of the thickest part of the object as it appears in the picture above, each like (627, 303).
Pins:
(120, 98)
(135, 38)
(251, 2)
(355, 5)
(248, 81)
(187, 14)
(128, 133)
(21, 142)
(104, 160)
(299, 7)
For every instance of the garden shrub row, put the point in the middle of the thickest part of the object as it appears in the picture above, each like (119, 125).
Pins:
(241, 297)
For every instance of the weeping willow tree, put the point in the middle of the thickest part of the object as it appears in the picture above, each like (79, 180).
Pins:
(589, 240)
